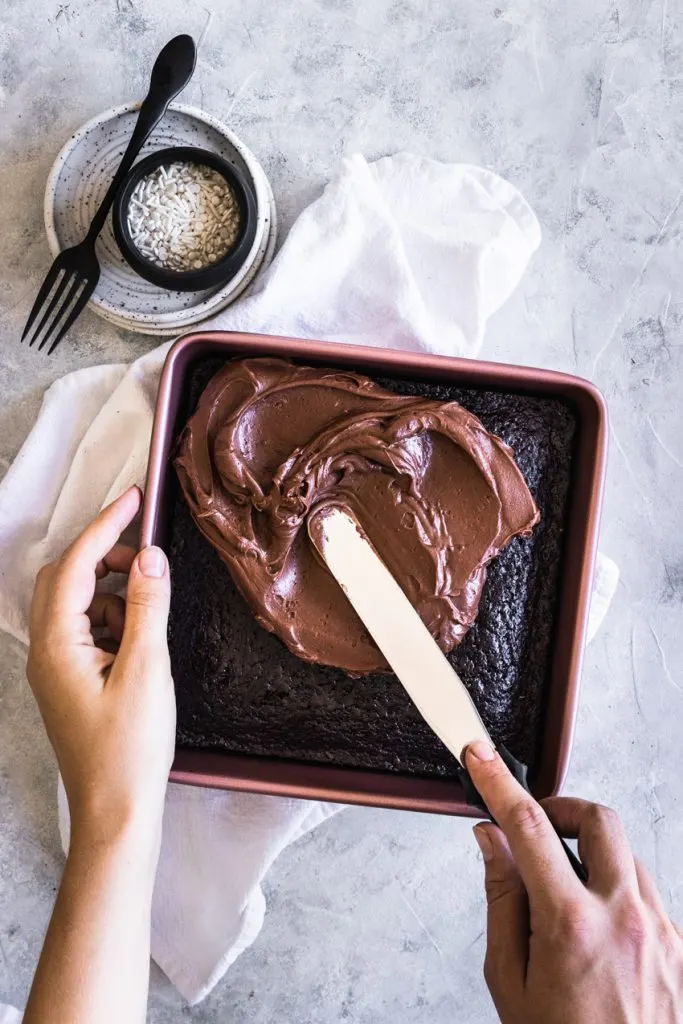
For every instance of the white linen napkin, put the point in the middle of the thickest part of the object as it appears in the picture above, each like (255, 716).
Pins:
(404, 252)
(8, 1015)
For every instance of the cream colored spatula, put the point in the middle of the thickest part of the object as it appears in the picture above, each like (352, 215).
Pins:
(430, 680)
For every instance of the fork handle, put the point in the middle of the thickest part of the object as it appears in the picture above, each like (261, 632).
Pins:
(172, 71)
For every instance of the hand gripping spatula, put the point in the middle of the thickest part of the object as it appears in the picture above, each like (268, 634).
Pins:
(431, 682)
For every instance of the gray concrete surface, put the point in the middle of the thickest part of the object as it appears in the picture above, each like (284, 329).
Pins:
(379, 916)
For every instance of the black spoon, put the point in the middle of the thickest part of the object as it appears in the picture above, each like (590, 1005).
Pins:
(78, 266)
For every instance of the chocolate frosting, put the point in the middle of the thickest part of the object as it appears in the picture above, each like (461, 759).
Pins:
(437, 495)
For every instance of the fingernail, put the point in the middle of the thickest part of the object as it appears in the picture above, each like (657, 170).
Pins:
(152, 562)
(481, 751)
(483, 842)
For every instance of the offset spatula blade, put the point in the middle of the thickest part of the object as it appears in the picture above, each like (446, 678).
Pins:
(430, 680)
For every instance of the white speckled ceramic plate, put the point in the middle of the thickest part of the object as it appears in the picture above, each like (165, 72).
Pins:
(78, 181)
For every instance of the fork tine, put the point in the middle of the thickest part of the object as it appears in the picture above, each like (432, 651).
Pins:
(59, 291)
(75, 283)
(45, 289)
(79, 304)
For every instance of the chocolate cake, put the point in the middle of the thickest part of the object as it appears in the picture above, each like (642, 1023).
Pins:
(240, 689)
(272, 442)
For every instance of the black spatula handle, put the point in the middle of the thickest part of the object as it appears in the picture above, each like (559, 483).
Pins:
(519, 771)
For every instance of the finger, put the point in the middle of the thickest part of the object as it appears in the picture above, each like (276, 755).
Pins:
(119, 559)
(74, 584)
(603, 845)
(649, 892)
(147, 603)
(101, 535)
(108, 610)
(507, 929)
(41, 592)
(535, 846)
(107, 645)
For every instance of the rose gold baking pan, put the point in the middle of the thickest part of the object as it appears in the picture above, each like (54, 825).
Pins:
(386, 789)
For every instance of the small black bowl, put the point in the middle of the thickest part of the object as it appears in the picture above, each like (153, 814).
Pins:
(214, 273)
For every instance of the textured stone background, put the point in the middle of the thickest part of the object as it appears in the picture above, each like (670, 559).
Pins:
(379, 916)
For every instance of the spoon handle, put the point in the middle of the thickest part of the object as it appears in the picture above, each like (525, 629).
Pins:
(172, 71)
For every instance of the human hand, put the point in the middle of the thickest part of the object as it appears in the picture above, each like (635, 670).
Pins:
(109, 709)
(559, 952)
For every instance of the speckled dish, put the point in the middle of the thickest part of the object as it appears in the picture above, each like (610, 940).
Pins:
(78, 180)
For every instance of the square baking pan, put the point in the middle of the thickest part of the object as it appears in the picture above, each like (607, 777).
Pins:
(284, 776)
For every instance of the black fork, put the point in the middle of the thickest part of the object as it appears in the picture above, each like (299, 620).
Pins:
(73, 276)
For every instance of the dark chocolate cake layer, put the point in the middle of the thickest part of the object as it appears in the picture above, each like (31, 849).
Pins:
(239, 689)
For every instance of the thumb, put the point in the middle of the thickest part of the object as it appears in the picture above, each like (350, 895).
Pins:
(507, 929)
(147, 602)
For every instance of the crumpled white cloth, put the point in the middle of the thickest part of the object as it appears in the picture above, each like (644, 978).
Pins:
(404, 252)
(8, 1015)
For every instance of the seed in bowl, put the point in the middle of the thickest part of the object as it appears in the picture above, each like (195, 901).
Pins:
(183, 217)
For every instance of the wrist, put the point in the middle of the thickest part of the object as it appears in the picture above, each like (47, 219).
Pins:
(126, 827)
(131, 853)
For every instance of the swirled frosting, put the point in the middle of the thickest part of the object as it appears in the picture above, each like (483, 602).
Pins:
(436, 493)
